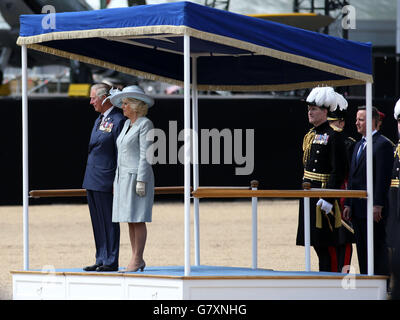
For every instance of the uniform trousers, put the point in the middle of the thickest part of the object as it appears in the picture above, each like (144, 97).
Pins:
(334, 258)
(395, 267)
(106, 233)
(344, 253)
(324, 258)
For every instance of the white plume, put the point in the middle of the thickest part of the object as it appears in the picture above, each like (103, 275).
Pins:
(327, 97)
(397, 109)
(112, 93)
(341, 102)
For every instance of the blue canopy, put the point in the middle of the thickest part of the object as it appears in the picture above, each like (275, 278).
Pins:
(234, 52)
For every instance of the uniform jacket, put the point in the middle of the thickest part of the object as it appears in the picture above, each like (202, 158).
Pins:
(102, 153)
(382, 171)
(396, 165)
(133, 166)
(326, 156)
(393, 209)
(350, 144)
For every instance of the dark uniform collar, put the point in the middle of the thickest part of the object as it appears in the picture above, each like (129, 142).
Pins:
(322, 127)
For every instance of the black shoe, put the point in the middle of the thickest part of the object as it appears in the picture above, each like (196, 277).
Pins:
(92, 268)
(105, 268)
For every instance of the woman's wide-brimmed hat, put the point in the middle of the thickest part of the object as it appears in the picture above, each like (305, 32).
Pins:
(112, 93)
(130, 92)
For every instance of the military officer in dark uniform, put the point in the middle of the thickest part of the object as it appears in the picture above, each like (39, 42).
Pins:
(324, 160)
(394, 187)
(344, 249)
(337, 121)
(395, 268)
(393, 223)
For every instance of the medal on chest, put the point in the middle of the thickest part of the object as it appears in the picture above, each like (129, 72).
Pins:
(321, 139)
(106, 125)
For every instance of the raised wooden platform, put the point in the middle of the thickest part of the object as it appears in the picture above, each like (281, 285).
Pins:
(204, 282)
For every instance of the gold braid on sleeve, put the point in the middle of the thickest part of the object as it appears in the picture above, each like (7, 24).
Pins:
(397, 152)
(307, 142)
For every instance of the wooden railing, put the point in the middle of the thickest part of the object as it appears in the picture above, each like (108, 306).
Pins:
(82, 192)
(202, 192)
(237, 192)
(220, 192)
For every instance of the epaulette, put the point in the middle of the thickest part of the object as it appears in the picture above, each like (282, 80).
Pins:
(335, 128)
(352, 139)
(388, 140)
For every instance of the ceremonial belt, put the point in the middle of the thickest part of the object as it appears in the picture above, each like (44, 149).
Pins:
(395, 183)
(321, 177)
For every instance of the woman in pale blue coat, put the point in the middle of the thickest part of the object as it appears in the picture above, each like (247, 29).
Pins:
(134, 179)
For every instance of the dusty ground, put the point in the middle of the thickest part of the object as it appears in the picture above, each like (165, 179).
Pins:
(61, 236)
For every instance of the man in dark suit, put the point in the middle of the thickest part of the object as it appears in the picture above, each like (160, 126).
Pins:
(99, 178)
(357, 208)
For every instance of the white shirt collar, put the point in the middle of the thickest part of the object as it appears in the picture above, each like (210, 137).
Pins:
(105, 114)
(373, 132)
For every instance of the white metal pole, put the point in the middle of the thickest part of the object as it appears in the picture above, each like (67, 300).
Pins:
(186, 79)
(398, 28)
(254, 241)
(195, 124)
(307, 232)
(25, 164)
(370, 186)
(397, 83)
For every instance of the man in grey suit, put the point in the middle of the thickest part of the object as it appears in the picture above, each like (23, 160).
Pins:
(99, 177)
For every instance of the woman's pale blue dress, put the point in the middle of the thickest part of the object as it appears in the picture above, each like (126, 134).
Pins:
(133, 166)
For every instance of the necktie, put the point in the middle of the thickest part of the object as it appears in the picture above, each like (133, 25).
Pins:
(100, 119)
(360, 149)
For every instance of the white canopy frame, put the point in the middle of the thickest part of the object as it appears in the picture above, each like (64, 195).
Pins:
(187, 166)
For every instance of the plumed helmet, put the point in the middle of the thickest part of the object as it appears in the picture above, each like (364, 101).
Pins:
(397, 110)
(326, 97)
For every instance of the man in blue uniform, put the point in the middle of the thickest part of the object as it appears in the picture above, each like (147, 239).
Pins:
(99, 178)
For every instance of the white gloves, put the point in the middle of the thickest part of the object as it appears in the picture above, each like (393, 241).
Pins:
(325, 205)
(140, 188)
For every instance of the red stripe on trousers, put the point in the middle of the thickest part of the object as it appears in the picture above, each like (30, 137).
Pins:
(334, 263)
(347, 255)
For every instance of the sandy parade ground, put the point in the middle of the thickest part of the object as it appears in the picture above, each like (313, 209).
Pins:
(61, 236)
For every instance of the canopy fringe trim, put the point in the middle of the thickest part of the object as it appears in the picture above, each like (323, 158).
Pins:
(101, 63)
(150, 76)
(180, 30)
(282, 55)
